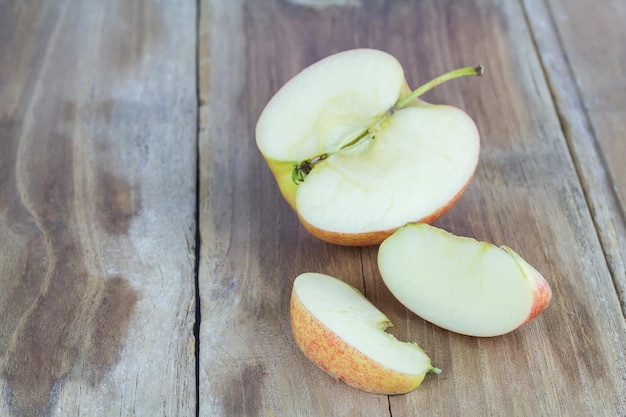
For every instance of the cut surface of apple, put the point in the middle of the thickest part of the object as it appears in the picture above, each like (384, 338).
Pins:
(461, 284)
(357, 155)
(340, 331)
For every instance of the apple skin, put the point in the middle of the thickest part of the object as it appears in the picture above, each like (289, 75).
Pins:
(281, 170)
(542, 293)
(342, 361)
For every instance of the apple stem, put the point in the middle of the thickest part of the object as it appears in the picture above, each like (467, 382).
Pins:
(301, 170)
(434, 370)
(461, 72)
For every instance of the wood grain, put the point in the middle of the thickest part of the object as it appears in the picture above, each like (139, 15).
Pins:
(97, 199)
(99, 122)
(584, 61)
(526, 194)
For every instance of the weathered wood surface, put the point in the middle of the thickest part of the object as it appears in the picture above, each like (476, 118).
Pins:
(585, 63)
(530, 192)
(97, 201)
(100, 131)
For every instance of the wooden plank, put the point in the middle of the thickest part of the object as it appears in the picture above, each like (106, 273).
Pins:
(584, 63)
(526, 194)
(252, 245)
(97, 200)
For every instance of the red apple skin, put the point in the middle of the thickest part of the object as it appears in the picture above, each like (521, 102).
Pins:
(542, 294)
(376, 237)
(342, 361)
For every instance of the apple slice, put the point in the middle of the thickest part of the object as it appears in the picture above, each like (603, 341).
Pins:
(357, 154)
(460, 284)
(338, 329)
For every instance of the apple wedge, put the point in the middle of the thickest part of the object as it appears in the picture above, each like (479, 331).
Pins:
(340, 331)
(356, 154)
(460, 284)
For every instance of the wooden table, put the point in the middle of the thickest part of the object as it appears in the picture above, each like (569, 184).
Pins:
(147, 257)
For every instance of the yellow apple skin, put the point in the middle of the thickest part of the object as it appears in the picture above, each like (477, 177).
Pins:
(342, 361)
(282, 171)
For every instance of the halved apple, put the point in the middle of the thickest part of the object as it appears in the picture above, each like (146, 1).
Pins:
(460, 284)
(338, 329)
(357, 154)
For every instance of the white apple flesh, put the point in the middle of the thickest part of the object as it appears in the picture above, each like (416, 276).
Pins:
(340, 331)
(460, 284)
(357, 155)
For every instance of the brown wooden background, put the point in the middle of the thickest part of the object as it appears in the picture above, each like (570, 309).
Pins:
(146, 256)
